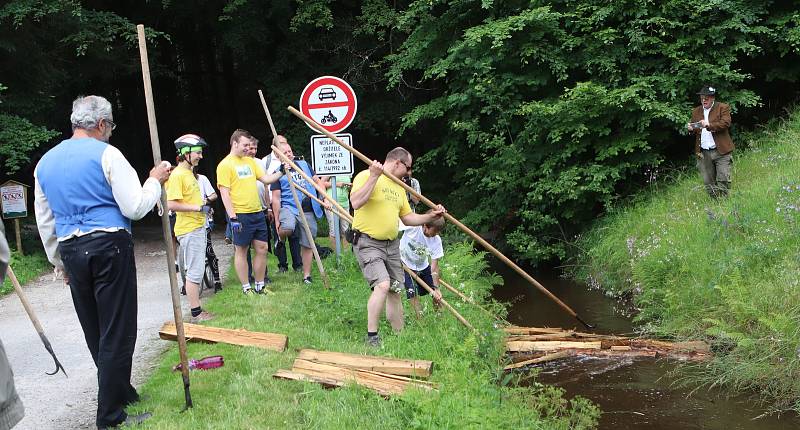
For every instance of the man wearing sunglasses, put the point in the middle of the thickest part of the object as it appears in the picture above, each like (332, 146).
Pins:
(379, 204)
(86, 195)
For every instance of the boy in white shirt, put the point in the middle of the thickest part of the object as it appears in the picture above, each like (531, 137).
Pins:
(417, 245)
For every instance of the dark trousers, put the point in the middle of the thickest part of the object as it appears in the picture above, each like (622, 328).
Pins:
(102, 280)
(280, 250)
(211, 258)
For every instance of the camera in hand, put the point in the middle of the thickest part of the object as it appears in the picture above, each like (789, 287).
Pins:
(696, 125)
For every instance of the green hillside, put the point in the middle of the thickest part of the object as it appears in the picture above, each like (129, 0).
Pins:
(725, 271)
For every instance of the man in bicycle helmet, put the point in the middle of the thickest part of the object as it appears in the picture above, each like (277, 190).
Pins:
(184, 198)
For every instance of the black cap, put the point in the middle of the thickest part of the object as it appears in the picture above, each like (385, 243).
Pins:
(708, 91)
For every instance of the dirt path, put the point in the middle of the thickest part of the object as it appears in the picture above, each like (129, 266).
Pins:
(56, 402)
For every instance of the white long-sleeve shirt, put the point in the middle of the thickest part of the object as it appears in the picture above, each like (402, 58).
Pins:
(134, 201)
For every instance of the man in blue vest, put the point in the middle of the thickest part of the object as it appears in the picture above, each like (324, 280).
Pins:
(86, 194)
(287, 216)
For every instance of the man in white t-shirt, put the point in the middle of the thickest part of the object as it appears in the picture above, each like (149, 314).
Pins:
(271, 163)
(418, 244)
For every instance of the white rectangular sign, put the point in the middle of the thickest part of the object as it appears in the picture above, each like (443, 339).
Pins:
(329, 157)
(13, 201)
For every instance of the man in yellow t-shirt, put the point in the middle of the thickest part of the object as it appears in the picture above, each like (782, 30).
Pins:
(237, 175)
(184, 198)
(379, 203)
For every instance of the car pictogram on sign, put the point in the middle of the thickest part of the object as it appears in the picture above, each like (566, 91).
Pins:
(327, 93)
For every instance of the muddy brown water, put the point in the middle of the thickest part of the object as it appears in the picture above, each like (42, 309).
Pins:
(632, 393)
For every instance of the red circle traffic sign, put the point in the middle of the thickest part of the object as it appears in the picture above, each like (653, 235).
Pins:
(330, 102)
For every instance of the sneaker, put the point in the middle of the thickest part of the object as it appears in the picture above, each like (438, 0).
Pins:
(228, 240)
(204, 316)
(373, 341)
(131, 420)
(183, 291)
(248, 292)
(217, 288)
(283, 269)
(307, 280)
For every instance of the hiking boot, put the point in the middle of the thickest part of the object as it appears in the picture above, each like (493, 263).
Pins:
(373, 341)
(203, 316)
(130, 421)
(307, 280)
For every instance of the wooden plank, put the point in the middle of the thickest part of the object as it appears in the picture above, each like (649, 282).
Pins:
(620, 348)
(543, 359)
(199, 333)
(525, 346)
(296, 376)
(532, 330)
(383, 383)
(396, 366)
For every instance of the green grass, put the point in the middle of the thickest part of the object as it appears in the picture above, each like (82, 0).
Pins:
(726, 271)
(474, 392)
(29, 266)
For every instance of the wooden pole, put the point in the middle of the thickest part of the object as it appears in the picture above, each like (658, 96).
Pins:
(173, 282)
(36, 324)
(306, 228)
(449, 217)
(18, 235)
(469, 300)
(443, 301)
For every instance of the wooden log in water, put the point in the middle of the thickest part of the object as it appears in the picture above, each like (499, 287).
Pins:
(395, 366)
(523, 346)
(543, 359)
(199, 333)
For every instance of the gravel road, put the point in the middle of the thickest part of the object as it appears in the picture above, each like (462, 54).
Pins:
(56, 402)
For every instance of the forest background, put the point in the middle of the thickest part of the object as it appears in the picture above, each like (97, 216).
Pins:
(527, 118)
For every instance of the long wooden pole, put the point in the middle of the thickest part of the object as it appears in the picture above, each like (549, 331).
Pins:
(469, 300)
(32, 316)
(449, 217)
(325, 281)
(442, 300)
(173, 281)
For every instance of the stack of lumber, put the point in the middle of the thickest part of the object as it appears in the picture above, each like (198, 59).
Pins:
(200, 333)
(535, 345)
(386, 376)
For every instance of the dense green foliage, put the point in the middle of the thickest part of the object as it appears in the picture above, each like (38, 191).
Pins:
(29, 265)
(528, 117)
(473, 392)
(726, 271)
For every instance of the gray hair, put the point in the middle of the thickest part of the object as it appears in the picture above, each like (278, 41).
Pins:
(88, 111)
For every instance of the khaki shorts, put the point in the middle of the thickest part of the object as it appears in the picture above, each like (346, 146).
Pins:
(379, 260)
(343, 224)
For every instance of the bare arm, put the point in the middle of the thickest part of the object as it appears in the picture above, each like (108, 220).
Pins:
(177, 206)
(225, 194)
(211, 197)
(412, 218)
(272, 177)
(360, 197)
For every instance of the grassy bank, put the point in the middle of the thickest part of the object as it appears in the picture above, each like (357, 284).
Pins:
(727, 271)
(474, 392)
(32, 264)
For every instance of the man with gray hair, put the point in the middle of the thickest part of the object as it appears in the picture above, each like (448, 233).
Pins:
(11, 410)
(86, 194)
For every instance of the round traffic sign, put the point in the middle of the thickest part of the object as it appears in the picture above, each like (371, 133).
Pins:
(330, 102)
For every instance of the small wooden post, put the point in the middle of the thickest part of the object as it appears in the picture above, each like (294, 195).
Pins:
(19, 236)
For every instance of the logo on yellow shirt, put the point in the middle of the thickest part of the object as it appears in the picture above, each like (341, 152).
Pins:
(244, 171)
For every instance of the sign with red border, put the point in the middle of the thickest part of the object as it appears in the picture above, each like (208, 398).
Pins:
(330, 102)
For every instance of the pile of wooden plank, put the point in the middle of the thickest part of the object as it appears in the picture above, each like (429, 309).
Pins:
(536, 345)
(242, 337)
(386, 376)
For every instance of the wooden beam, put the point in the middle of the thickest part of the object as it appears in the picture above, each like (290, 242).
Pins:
(199, 333)
(542, 359)
(383, 383)
(395, 366)
(525, 346)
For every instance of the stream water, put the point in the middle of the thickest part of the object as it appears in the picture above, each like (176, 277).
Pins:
(632, 393)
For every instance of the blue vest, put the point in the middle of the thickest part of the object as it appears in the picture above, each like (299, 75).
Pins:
(71, 177)
(287, 201)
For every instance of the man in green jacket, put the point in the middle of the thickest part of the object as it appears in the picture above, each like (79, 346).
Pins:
(11, 410)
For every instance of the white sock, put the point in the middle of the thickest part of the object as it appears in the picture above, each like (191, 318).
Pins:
(259, 285)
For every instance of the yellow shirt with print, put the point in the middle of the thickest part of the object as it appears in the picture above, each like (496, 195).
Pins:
(387, 203)
(182, 186)
(240, 175)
